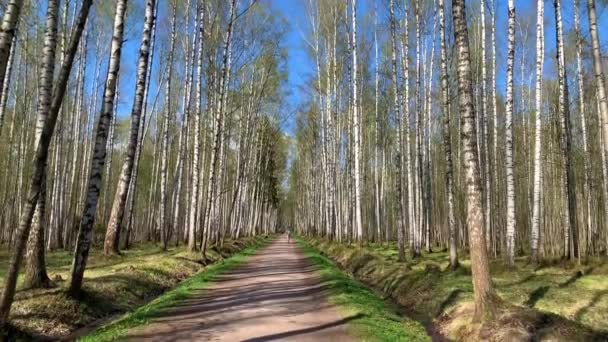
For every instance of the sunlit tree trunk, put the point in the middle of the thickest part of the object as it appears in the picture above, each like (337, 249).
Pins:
(7, 38)
(601, 87)
(356, 130)
(482, 283)
(38, 167)
(398, 157)
(213, 183)
(538, 172)
(447, 141)
(571, 226)
(35, 268)
(112, 238)
(509, 138)
(164, 159)
(85, 231)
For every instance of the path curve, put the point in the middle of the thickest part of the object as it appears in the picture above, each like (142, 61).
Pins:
(276, 295)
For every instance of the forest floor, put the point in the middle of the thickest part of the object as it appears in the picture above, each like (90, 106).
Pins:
(112, 285)
(282, 292)
(559, 300)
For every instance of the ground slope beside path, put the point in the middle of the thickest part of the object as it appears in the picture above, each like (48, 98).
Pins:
(275, 296)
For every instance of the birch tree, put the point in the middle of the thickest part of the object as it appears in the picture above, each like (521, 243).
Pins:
(447, 140)
(356, 129)
(538, 172)
(7, 37)
(35, 269)
(93, 187)
(111, 243)
(571, 240)
(600, 84)
(38, 166)
(509, 138)
(482, 283)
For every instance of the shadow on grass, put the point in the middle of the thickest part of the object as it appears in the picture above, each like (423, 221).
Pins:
(536, 295)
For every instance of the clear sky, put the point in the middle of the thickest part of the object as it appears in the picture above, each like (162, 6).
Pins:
(300, 64)
(301, 67)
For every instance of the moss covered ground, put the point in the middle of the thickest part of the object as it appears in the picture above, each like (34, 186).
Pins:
(558, 300)
(112, 286)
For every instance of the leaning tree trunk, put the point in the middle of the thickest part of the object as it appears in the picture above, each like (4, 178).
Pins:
(85, 231)
(7, 35)
(482, 283)
(38, 167)
(447, 141)
(35, 267)
(112, 239)
(538, 172)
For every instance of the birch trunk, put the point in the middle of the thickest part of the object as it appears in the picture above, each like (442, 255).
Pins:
(7, 38)
(398, 156)
(35, 269)
(38, 167)
(482, 283)
(111, 243)
(85, 231)
(447, 141)
(571, 244)
(164, 162)
(509, 138)
(538, 172)
(600, 84)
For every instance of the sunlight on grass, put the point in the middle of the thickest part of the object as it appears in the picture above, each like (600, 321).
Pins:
(144, 314)
(577, 293)
(375, 322)
(112, 285)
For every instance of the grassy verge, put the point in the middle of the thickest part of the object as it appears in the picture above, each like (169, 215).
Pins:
(377, 321)
(559, 301)
(111, 286)
(142, 315)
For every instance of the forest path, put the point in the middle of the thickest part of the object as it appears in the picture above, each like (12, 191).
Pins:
(275, 295)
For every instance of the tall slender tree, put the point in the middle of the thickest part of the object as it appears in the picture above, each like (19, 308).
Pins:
(571, 241)
(447, 140)
(485, 300)
(538, 172)
(93, 187)
(111, 243)
(38, 167)
(509, 138)
(601, 87)
(35, 267)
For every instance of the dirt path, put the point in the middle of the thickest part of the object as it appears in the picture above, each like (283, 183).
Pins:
(276, 295)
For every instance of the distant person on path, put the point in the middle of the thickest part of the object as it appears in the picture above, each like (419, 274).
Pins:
(288, 235)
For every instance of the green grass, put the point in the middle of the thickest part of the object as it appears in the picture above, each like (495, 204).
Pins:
(111, 286)
(376, 320)
(575, 296)
(144, 314)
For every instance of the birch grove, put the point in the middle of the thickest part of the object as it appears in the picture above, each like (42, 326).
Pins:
(423, 126)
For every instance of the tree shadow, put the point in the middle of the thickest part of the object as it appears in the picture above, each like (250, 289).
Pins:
(285, 335)
(536, 295)
(449, 300)
(596, 298)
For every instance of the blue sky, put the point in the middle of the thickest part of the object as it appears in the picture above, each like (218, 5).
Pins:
(301, 67)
